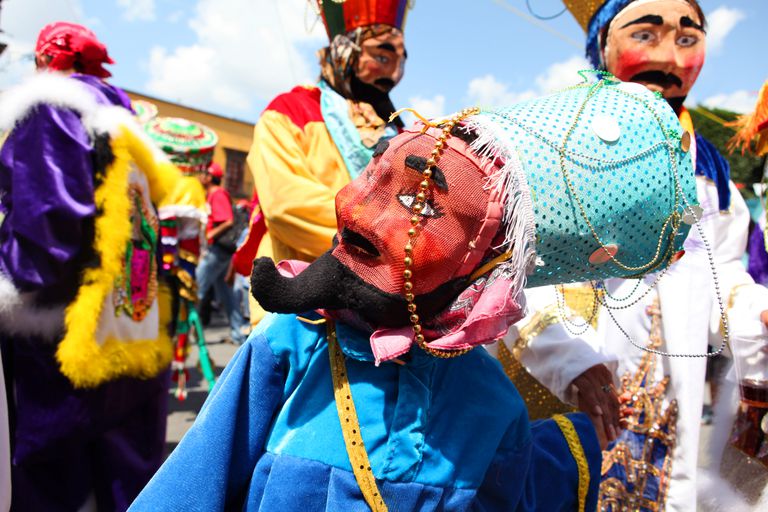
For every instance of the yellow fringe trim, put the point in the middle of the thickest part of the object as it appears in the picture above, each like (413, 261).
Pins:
(749, 126)
(577, 450)
(82, 360)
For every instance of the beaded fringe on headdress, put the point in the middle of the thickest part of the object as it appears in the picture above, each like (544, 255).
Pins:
(510, 180)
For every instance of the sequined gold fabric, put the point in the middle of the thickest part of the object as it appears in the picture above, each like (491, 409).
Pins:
(651, 431)
(541, 403)
(583, 10)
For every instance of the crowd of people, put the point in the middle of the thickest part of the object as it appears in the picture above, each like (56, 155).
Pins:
(509, 308)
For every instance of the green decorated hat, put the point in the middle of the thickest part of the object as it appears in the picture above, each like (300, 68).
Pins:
(145, 111)
(189, 144)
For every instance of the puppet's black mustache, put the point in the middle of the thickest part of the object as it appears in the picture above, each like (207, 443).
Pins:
(327, 284)
(385, 83)
(318, 286)
(658, 77)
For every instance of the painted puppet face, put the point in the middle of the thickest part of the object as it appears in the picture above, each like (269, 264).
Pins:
(374, 213)
(382, 60)
(658, 44)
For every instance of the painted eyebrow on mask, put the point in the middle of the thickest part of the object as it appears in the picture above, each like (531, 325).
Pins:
(390, 48)
(685, 21)
(418, 164)
(653, 19)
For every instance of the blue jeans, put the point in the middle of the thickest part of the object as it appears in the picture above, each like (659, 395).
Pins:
(211, 272)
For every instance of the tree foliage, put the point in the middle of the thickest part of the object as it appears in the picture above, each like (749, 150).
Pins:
(747, 168)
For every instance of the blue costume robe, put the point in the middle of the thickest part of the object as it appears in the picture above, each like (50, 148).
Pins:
(441, 434)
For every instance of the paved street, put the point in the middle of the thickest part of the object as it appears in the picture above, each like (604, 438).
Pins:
(181, 414)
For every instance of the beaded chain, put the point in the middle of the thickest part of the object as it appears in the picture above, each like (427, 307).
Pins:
(718, 295)
(563, 151)
(413, 232)
(572, 327)
(674, 218)
(715, 281)
(680, 200)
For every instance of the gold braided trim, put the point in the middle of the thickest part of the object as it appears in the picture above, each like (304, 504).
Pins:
(350, 425)
(577, 450)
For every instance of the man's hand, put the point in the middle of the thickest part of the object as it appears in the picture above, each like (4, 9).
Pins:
(597, 398)
(764, 317)
(219, 230)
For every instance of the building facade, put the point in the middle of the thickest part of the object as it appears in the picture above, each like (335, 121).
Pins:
(235, 138)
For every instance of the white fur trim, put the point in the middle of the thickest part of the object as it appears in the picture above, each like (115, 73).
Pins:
(9, 296)
(61, 91)
(50, 88)
(108, 119)
(20, 316)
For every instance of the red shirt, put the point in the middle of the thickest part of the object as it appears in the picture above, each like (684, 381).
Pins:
(219, 208)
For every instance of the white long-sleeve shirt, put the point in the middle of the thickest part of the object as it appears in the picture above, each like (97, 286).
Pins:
(690, 321)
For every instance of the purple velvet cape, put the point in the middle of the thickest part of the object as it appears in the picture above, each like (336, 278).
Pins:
(66, 442)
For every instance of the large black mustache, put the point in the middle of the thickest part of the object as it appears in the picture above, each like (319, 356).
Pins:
(327, 284)
(385, 83)
(378, 99)
(658, 77)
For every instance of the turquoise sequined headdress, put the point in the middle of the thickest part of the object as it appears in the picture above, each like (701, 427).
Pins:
(605, 171)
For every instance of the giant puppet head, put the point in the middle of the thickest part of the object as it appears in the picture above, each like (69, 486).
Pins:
(366, 56)
(437, 237)
(63, 46)
(658, 43)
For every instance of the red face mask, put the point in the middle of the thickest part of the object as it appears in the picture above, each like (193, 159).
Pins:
(659, 44)
(374, 213)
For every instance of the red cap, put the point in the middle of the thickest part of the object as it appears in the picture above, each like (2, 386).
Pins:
(215, 170)
(70, 43)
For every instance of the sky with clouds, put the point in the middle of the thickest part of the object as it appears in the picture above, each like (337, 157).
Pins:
(232, 56)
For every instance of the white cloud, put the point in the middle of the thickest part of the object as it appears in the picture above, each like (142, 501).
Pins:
(21, 22)
(428, 107)
(720, 22)
(245, 50)
(137, 10)
(739, 101)
(488, 91)
(561, 74)
(175, 16)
